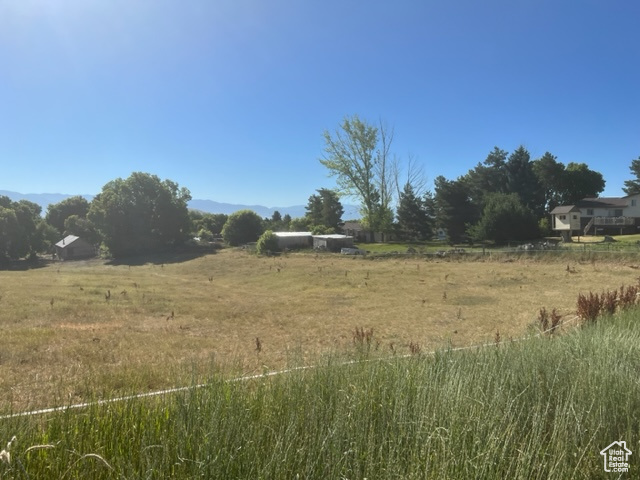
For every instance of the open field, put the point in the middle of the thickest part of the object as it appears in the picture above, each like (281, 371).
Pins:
(80, 330)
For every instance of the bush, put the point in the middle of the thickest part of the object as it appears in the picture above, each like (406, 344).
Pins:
(241, 227)
(267, 243)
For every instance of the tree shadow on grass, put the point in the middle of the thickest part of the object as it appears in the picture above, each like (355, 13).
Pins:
(178, 255)
(25, 264)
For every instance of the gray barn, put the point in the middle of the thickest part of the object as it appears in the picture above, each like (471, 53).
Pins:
(72, 247)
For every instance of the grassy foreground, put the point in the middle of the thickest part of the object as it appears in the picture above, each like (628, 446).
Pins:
(541, 408)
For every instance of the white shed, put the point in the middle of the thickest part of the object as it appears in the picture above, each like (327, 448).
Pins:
(566, 219)
(291, 240)
(332, 243)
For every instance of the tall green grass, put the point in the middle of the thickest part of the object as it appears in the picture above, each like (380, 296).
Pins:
(536, 409)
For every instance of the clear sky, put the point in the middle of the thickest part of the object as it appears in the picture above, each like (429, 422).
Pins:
(230, 98)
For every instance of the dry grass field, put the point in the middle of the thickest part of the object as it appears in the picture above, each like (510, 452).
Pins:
(80, 330)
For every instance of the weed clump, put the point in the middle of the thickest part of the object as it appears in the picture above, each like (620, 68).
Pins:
(592, 306)
(549, 322)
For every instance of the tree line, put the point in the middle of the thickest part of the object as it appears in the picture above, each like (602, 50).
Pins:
(144, 214)
(508, 196)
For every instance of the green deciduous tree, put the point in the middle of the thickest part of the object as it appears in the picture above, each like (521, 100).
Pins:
(267, 243)
(20, 231)
(211, 222)
(57, 213)
(357, 154)
(81, 227)
(581, 182)
(550, 174)
(562, 185)
(243, 226)
(300, 224)
(141, 214)
(8, 232)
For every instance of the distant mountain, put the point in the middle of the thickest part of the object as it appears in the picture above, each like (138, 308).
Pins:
(42, 199)
(210, 206)
(351, 212)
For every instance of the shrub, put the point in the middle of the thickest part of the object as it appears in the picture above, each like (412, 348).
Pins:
(243, 226)
(267, 243)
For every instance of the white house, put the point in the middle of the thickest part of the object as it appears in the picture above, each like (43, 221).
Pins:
(599, 215)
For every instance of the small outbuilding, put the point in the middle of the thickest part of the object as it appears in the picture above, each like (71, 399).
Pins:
(566, 220)
(72, 247)
(332, 243)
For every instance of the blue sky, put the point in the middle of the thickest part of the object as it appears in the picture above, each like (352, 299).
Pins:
(230, 98)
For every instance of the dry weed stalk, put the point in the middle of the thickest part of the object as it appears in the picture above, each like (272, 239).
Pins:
(628, 296)
(589, 307)
(609, 302)
(5, 455)
(592, 306)
(555, 320)
(547, 320)
(362, 336)
(543, 318)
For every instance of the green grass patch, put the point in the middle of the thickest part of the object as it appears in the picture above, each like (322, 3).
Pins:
(537, 409)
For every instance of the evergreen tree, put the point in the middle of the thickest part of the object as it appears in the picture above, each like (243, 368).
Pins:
(413, 218)
(325, 209)
(454, 208)
(505, 218)
(631, 187)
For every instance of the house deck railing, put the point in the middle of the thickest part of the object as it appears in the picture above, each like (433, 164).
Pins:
(614, 221)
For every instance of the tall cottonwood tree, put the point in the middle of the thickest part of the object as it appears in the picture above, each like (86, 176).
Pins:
(21, 229)
(562, 185)
(58, 213)
(358, 155)
(141, 214)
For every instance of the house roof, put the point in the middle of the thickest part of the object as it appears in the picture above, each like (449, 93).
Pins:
(564, 209)
(334, 236)
(66, 241)
(292, 234)
(355, 226)
(603, 202)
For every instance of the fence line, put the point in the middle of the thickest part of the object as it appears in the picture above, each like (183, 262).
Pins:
(257, 376)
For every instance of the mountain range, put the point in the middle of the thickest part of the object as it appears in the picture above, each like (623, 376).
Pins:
(351, 212)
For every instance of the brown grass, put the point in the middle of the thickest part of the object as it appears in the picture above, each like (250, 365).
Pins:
(78, 330)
